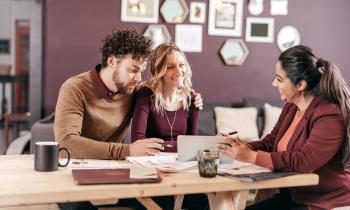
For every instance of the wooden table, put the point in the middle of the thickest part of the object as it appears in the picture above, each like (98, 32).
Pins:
(21, 185)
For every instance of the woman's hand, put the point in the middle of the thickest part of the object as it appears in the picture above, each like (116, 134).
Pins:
(236, 149)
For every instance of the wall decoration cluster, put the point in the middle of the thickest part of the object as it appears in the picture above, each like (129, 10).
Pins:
(225, 18)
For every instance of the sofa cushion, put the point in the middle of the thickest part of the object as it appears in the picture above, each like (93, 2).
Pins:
(42, 130)
(242, 120)
(206, 119)
(272, 114)
(258, 103)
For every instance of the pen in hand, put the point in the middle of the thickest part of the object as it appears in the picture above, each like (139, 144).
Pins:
(167, 145)
(233, 132)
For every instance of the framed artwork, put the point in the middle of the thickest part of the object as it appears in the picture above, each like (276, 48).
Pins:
(189, 37)
(158, 33)
(288, 36)
(143, 11)
(234, 52)
(259, 29)
(255, 7)
(225, 17)
(197, 12)
(4, 46)
(174, 11)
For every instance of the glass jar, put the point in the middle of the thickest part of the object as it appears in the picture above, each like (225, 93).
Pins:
(208, 161)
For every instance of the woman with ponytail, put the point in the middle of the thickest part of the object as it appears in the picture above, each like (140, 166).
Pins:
(311, 135)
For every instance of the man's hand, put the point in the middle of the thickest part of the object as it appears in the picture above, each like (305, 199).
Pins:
(238, 150)
(198, 101)
(144, 147)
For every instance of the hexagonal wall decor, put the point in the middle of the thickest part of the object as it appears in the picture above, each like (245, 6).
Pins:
(158, 33)
(234, 52)
(174, 11)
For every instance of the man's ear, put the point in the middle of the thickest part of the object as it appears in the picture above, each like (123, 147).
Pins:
(112, 61)
(302, 85)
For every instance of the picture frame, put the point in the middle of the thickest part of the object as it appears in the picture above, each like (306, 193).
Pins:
(4, 46)
(197, 12)
(188, 37)
(259, 29)
(225, 17)
(288, 36)
(158, 33)
(234, 52)
(174, 11)
(143, 11)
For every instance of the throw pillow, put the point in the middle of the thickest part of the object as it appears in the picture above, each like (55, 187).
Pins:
(242, 120)
(272, 113)
(258, 103)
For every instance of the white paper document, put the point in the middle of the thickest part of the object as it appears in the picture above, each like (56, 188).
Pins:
(90, 163)
(163, 162)
(241, 168)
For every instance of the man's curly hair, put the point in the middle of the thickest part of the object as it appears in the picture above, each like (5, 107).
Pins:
(123, 42)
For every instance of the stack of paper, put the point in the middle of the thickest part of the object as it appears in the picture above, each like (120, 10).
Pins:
(164, 163)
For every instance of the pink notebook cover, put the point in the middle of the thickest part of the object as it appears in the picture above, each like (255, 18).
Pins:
(109, 176)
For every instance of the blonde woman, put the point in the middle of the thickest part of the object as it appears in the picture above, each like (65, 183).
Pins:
(165, 105)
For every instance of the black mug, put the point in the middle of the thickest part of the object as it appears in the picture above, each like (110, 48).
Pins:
(47, 156)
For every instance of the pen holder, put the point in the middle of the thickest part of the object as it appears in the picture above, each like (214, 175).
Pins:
(208, 161)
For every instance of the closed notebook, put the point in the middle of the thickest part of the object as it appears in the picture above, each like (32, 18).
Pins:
(115, 176)
(258, 176)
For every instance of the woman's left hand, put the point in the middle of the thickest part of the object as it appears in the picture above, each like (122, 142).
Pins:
(238, 150)
(198, 101)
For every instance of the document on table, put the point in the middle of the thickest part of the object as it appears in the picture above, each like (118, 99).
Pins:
(238, 168)
(163, 162)
(90, 163)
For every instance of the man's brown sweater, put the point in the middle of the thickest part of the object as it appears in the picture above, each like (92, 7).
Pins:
(90, 121)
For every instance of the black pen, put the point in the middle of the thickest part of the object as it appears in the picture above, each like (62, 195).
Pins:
(233, 132)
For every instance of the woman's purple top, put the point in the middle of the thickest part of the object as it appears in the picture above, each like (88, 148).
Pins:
(148, 123)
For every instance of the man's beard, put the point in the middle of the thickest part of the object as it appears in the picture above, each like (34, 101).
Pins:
(122, 87)
(126, 89)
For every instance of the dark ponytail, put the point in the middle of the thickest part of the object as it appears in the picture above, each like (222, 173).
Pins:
(323, 79)
(334, 89)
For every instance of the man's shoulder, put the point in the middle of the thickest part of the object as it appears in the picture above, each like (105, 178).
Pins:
(80, 81)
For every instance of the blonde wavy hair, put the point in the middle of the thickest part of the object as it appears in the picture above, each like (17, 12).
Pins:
(158, 67)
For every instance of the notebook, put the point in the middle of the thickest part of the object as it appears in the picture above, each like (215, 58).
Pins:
(188, 147)
(115, 175)
(252, 177)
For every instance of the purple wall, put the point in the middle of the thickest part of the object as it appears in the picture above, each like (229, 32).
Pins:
(74, 30)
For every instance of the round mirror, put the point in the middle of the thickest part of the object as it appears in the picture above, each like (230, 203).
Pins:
(287, 37)
(256, 7)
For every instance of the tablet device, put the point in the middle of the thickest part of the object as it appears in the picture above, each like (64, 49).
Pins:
(188, 147)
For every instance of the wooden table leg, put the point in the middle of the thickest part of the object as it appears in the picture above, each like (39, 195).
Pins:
(149, 203)
(240, 199)
(178, 202)
(227, 200)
